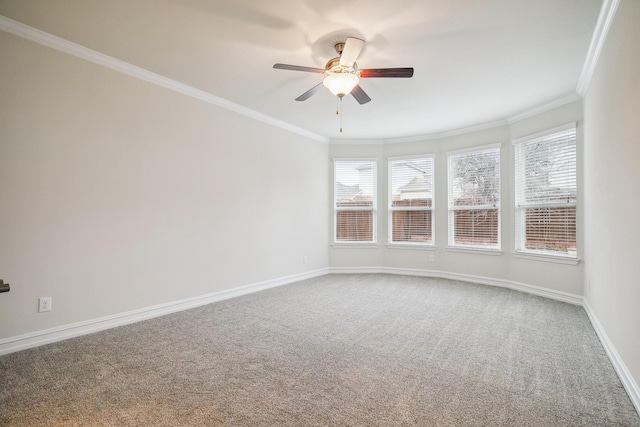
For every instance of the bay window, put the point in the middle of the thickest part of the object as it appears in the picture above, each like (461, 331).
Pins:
(474, 198)
(354, 195)
(546, 193)
(411, 200)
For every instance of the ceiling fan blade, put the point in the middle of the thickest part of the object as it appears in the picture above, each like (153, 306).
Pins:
(351, 50)
(308, 94)
(298, 68)
(360, 95)
(368, 73)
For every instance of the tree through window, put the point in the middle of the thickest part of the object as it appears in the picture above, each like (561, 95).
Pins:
(474, 198)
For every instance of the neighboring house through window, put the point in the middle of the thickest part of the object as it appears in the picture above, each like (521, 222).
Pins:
(411, 200)
(474, 198)
(354, 205)
(546, 193)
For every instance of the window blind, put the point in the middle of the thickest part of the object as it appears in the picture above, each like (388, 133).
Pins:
(355, 200)
(474, 198)
(546, 193)
(411, 196)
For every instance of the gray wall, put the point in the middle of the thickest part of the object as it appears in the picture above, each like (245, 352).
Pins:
(116, 194)
(612, 187)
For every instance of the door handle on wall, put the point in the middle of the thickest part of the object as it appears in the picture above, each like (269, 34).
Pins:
(4, 287)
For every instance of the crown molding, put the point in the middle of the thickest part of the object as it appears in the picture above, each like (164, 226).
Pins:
(568, 99)
(355, 141)
(607, 13)
(62, 45)
(573, 97)
(425, 137)
(454, 132)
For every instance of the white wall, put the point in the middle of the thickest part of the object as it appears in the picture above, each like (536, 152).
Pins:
(612, 187)
(554, 276)
(116, 194)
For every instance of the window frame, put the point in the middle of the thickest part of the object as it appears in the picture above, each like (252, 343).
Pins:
(452, 246)
(373, 208)
(391, 209)
(521, 206)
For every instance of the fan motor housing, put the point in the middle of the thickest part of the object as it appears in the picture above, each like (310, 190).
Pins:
(333, 66)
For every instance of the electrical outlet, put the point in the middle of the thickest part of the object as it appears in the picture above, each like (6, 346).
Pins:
(44, 304)
(432, 258)
(305, 259)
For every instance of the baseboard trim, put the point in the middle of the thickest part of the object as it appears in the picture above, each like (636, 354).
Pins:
(632, 388)
(509, 284)
(629, 384)
(47, 336)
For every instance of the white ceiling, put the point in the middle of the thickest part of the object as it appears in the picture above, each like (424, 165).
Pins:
(475, 61)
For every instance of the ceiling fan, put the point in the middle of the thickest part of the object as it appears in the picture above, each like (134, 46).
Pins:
(342, 73)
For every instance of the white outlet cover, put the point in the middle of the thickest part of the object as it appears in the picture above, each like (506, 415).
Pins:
(44, 304)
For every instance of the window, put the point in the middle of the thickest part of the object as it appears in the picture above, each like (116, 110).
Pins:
(411, 200)
(546, 192)
(354, 195)
(474, 198)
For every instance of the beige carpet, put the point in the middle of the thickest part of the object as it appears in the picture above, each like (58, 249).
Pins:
(352, 350)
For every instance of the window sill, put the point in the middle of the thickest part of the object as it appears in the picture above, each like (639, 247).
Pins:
(558, 259)
(355, 245)
(420, 247)
(480, 251)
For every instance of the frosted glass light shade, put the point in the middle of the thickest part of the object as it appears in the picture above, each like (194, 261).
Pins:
(340, 84)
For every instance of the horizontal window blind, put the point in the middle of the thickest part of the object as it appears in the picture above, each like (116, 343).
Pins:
(355, 200)
(411, 197)
(546, 193)
(474, 198)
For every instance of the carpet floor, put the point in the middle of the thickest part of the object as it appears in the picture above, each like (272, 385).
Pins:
(344, 350)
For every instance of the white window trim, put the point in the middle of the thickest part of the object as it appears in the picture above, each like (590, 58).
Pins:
(555, 258)
(475, 249)
(374, 208)
(406, 245)
(355, 245)
(540, 255)
(415, 246)
(469, 248)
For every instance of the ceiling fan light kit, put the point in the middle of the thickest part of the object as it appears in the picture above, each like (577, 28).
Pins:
(342, 73)
(340, 84)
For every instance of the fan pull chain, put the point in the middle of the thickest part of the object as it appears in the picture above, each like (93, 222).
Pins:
(339, 110)
(341, 113)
